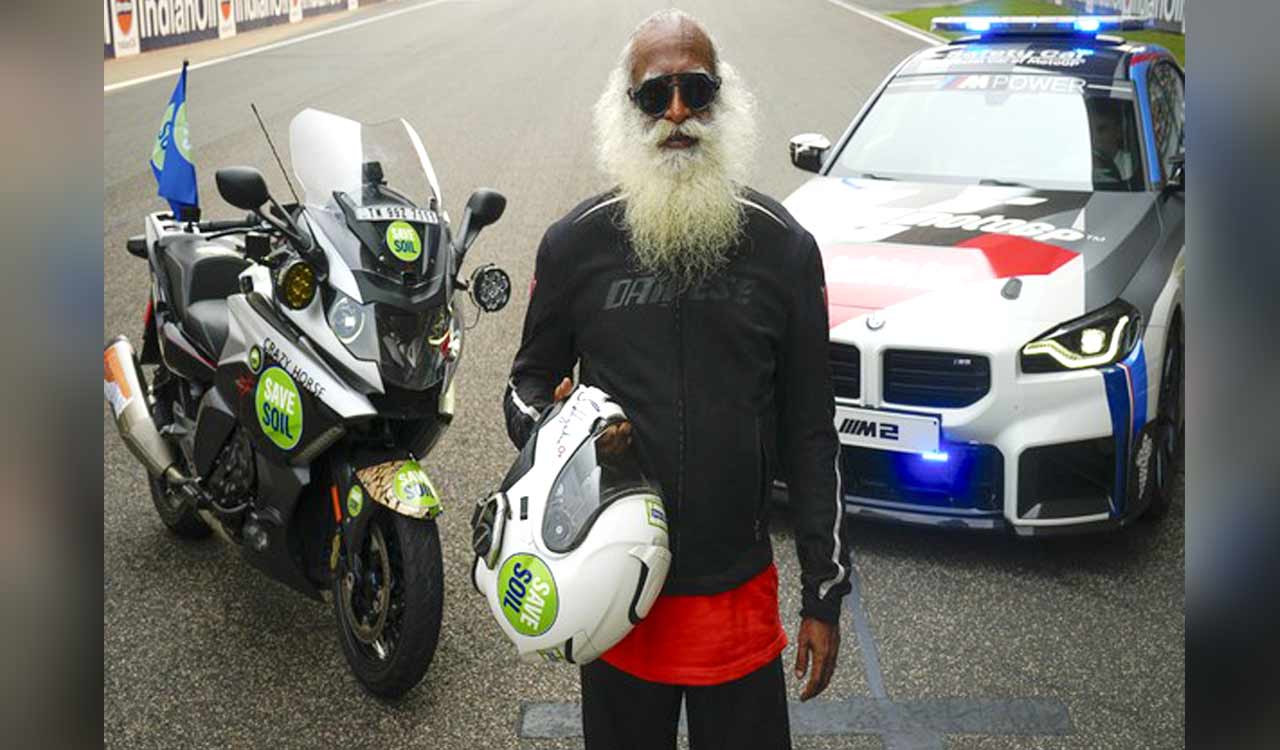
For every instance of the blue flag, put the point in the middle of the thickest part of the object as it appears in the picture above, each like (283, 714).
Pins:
(171, 154)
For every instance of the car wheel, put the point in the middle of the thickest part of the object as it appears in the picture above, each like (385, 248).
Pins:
(1160, 444)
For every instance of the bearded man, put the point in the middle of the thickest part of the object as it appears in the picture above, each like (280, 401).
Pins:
(699, 305)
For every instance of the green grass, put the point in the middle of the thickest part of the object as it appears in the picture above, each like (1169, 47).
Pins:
(920, 18)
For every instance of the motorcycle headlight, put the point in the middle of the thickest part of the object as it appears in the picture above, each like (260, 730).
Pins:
(353, 324)
(1101, 338)
(296, 284)
(347, 319)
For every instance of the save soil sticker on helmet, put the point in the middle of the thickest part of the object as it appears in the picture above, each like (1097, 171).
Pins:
(412, 487)
(279, 408)
(403, 241)
(529, 598)
(355, 500)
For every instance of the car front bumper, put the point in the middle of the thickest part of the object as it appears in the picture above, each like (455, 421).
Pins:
(1037, 454)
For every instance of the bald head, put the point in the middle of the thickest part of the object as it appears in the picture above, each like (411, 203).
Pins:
(669, 41)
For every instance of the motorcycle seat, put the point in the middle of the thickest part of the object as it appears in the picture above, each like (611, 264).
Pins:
(205, 323)
(200, 269)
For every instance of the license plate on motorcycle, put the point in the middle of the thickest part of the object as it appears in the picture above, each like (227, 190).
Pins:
(888, 430)
(395, 213)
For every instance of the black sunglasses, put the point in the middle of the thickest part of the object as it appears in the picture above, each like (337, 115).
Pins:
(697, 90)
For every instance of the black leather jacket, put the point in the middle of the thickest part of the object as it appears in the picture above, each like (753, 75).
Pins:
(726, 385)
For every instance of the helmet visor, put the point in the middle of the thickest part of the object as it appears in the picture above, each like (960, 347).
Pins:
(597, 474)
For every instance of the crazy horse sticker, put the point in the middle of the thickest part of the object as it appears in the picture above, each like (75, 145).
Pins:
(529, 598)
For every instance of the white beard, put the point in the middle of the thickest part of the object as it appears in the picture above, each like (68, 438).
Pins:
(682, 209)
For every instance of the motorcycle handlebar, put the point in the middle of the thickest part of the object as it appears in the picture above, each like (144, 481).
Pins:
(218, 226)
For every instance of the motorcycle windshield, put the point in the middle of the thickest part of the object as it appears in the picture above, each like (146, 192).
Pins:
(371, 163)
(370, 191)
(370, 196)
(596, 475)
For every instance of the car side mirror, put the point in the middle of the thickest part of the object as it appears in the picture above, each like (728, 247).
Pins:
(808, 150)
(1177, 173)
(242, 187)
(484, 207)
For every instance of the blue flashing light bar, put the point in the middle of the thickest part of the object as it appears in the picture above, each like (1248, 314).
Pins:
(996, 25)
(938, 456)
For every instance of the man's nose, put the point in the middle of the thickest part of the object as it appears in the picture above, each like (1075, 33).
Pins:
(677, 112)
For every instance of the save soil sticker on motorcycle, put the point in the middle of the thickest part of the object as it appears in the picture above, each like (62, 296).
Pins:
(279, 408)
(403, 241)
(412, 487)
(355, 501)
(529, 598)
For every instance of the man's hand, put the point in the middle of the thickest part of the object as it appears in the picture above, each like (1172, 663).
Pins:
(563, 390)
(615, 438)
(821, 641)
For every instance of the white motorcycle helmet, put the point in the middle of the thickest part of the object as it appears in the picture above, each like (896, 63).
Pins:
(572, 550)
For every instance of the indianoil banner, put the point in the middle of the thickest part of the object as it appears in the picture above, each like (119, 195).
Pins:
(133, 26)
(124, 27)
(164, 23)
(316, 7)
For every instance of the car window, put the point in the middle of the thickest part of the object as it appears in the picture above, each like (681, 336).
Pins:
(1168, 113)
(1046, 131)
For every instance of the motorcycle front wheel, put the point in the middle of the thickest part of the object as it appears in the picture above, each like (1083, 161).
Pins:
(389, 613)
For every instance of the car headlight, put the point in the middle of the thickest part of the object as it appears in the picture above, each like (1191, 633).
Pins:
(1103, 337)
(353, 324)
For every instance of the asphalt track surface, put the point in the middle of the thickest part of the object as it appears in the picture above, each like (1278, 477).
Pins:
(954, 641)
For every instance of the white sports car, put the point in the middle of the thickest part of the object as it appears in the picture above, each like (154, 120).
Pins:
(1002, 232)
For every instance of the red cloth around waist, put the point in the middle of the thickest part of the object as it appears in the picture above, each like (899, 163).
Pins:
(705, 639)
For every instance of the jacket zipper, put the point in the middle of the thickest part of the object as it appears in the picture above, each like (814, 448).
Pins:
(680, 399)
(764, 485)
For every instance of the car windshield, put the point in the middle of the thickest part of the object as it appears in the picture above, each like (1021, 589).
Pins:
(1040, 130)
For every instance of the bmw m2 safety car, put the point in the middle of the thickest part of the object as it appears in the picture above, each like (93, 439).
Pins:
(1002, 232)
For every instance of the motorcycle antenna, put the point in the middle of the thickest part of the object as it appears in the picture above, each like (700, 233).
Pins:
(274, 153)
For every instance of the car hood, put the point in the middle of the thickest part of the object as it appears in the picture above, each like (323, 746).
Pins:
(886, 243)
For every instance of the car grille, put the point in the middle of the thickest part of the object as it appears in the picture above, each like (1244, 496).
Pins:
(972, 479)
(947, 380)
(846, 371)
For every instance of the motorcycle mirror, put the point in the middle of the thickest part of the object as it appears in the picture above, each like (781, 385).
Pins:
(484, 207)
(242, 187)
(490, 288)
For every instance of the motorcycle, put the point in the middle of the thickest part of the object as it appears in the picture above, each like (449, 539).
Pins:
(303, 362)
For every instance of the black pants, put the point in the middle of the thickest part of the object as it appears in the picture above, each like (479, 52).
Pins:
(621, 712)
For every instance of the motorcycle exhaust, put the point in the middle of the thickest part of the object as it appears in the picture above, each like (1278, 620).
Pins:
(122, 388)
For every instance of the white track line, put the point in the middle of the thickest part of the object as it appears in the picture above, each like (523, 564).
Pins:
(274, 45)
(898, 26)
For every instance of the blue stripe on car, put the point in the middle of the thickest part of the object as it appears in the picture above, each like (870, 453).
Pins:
(1126, 386)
